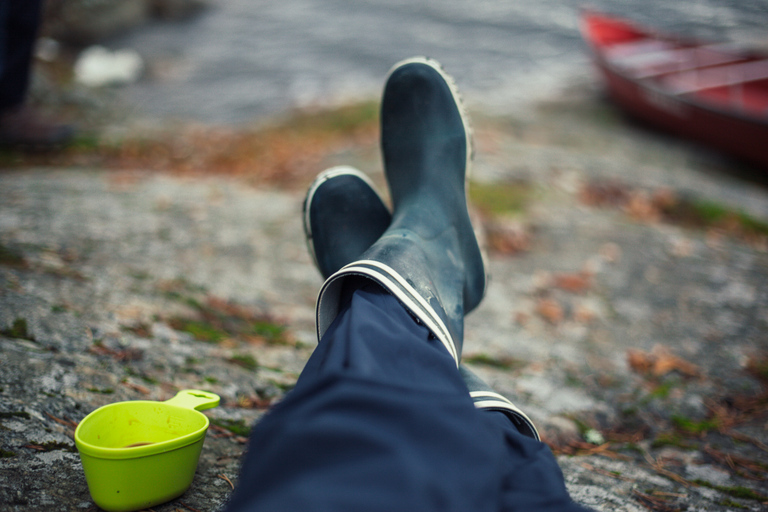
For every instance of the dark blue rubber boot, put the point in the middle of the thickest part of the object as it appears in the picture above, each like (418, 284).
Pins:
(428, 257)
(343, 217)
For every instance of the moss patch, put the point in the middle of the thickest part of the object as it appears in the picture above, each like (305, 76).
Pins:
(247, 361)
(53, 446)
(738, 491)
(200, 330)
(693, 427)
(11, 257)
(14, 414)
(103, 391)
(237, 427)
(504, 363)
(215, 320)
(286, 152)
(495, 199)
(18, 330)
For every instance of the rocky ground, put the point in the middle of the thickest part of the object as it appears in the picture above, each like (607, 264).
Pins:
(626, 314)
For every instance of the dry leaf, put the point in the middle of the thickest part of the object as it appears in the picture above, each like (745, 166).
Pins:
(574, 283)
(641, 362)
(550, 310)
(659, 362)
(641, 207)
(583, 314)
(610, 252)
(508, 238)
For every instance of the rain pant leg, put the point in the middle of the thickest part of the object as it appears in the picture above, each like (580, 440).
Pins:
(380, 420)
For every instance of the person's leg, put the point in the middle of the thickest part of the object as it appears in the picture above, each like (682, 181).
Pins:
(379, 420)
(20, 124)
(19, 22)
(343, 216)
(531, 480)
(428, 257)
(343, 213)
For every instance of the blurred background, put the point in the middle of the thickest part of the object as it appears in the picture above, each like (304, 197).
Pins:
(233, 61)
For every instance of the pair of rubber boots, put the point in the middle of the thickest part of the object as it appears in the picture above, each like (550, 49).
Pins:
(425, 252)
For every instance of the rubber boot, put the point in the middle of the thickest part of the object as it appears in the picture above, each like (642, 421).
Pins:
(428, 257)
(343, 216)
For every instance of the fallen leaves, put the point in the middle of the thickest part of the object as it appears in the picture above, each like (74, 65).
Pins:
(659, 362)
(224, 477)
(663, 205)
(286, 153)
(550, 310)
(508, 238)
(574, 283)
(128, 354)
(552, 303)
(137, 387)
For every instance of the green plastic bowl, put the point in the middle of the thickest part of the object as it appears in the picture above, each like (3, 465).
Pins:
(142, 453)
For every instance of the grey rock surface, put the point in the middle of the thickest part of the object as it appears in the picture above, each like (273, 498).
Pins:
(118, 285)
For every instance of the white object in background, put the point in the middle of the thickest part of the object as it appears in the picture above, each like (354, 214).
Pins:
(97, 66)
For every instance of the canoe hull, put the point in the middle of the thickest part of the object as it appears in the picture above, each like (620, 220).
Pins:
(738, 133)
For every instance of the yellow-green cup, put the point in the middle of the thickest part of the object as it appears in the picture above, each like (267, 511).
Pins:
(142, 453)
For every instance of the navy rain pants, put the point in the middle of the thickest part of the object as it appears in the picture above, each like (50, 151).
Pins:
(380, 420)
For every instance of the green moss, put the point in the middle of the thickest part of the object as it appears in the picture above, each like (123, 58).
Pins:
(704, 213)
(343, 120)
(210, 380)
(85, 142)
(752, 224)
(56, 445)
(271, 331)
(11, 257)
(247, 361)
(18, 330)
(693, 427)
(14, 414)
(103, 391)
(505, 363)
(671, 439)
(634, 447)
(500, 198)
(662, 390)
(6, 454)
(129, 370)
(732, 504)
(738, 491)
(200, 330)
(283, 386)
(580, 424)
(237, 427)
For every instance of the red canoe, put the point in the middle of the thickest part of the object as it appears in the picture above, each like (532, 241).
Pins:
(712, 93)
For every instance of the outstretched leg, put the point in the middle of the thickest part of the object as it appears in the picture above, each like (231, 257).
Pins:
(381, 418)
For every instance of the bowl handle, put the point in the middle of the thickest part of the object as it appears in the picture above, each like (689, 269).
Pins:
(194, 399)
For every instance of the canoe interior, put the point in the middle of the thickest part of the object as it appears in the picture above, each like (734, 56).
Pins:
(719, 76)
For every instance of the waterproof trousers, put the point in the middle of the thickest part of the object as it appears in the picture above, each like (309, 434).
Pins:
(380, 420)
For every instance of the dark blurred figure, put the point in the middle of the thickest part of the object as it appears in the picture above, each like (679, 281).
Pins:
(20, 123)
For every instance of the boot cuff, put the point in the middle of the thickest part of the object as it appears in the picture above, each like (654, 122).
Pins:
(328, 302)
